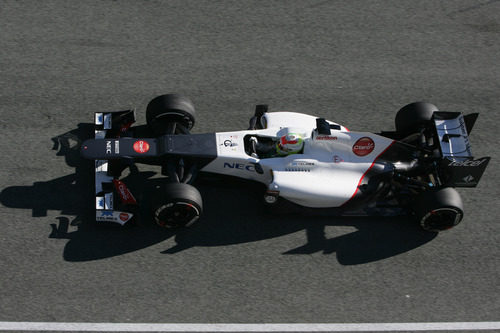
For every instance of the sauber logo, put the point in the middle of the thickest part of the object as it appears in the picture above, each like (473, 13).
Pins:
(141, 146)
(337, 159)
(124, 217)
(363, 146)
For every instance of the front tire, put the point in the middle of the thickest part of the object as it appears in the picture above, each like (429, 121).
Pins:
(165, 110)
(181, 206)
(438, 210)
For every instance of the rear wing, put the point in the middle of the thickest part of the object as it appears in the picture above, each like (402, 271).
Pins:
(458, 166)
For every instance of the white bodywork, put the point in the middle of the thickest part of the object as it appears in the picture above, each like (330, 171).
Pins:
(326, 174)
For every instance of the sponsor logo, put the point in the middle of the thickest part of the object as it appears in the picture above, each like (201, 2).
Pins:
(337, 159)
(110, 216)
(328, 138)
(239, 166)
(228, 143)
(117, 147)
(108, 147)
(468, 179)
(141, 146)
(125, 127)
(363, 146)
(125, 194)
(108, 200)
(467, 163)
(116, 217)
(105, 218)
(301, 163)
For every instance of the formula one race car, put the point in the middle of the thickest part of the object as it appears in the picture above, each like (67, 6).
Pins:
(306, 160)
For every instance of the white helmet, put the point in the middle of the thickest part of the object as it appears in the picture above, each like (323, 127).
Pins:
(292, 143)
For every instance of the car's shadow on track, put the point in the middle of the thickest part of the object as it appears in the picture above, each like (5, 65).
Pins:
(234, 214)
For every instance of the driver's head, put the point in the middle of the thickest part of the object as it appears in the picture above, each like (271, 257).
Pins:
(292, 143)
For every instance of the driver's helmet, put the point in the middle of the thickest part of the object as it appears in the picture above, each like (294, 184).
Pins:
(292, 143)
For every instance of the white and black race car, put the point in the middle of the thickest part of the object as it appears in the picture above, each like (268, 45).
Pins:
(303, 159)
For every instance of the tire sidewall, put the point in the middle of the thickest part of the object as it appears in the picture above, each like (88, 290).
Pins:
(177, 194)
(412, 117)
(437, 201)
(170, 204)
(170, 107)
(424, 220)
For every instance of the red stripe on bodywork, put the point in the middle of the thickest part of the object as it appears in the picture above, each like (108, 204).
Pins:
(363, 176)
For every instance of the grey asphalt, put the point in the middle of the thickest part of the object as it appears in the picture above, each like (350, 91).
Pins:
(354, 62)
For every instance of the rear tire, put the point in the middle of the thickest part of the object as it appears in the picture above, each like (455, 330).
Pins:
(438, 210)
(181, 206)
(412, 117)
(167, 109)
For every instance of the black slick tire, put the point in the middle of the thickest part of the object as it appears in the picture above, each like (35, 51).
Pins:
(438, 210)
(412, 117)
(167, 109)
(180, 206)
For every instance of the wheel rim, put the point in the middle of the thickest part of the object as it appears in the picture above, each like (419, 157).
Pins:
(176, 214)
(441, 219)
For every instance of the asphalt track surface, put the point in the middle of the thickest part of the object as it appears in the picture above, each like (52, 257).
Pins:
(354, 62)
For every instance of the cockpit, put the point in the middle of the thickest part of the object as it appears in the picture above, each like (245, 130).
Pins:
(288, 140)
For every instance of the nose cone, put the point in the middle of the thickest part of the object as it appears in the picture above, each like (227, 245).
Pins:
(88, 149)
